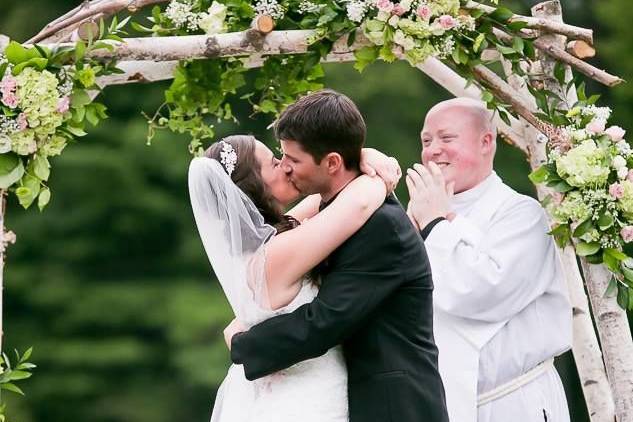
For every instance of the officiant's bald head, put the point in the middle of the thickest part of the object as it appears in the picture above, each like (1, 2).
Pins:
(459, 135)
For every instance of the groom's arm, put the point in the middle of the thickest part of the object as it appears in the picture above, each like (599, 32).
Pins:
(364, 275)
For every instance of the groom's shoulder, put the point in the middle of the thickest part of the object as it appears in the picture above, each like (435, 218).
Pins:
(388, 217)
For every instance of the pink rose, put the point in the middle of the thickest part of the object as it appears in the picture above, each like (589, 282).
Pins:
(616, 133)
(616, 190)
(447, 22)
(22, 121)
(398, 10)
(9, 99)
(627, 233)
(424, 12)
(63, 104)
(629, 176)
(596, 126)
(385, 6)
(8, 84)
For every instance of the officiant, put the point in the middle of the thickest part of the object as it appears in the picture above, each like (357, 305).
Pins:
(501, 311)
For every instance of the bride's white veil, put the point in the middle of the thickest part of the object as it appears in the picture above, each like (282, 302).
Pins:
(233, 233)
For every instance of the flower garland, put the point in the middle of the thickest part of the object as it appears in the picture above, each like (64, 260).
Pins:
(44, 105)
(591, 174)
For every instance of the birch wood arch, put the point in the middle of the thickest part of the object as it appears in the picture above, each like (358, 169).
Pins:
(603, 353)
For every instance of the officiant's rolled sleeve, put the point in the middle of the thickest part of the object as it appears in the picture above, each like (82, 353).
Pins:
(491, 276)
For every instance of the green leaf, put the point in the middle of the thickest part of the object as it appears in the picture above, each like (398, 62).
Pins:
(559, 73)
(10, 178)
(19, 375)
(586, 249)
(562, 235)
(612, 288)
(628, 272)
(38, 63)
(17, 54)
(41, 167)
(365, 56)
(583, 228)
(518, 44)
(619, 255)
(502, 14)
(8, 162)
(79, 98)
(12, 387)
(560, 186)
(28, 191)
(80, 50)
(624, 297)
(478, 41)
(539, 175)
(77, 131)
(605, 221)
(611, 261)
(27, 354)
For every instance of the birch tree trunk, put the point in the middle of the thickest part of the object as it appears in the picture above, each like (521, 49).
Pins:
(611, 320)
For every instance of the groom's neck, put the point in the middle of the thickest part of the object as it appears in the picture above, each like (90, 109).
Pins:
(338, 183)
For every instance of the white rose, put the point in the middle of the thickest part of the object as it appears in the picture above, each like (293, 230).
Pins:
(393, 21)
(622, 173)
(619, 162)
(218, 10)
(623, 147)
(401, 39)
(383, 16)
(406, 5)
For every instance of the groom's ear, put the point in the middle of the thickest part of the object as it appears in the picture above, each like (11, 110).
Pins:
(333, 162)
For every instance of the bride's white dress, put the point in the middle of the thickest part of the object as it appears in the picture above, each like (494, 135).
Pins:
(311, 391)
(234, 236)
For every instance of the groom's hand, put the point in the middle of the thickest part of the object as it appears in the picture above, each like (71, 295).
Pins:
(233, 328)
(375, 163)
(430, 196)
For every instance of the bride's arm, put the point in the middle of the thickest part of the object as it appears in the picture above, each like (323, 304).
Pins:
(293, 253)
(372, 162)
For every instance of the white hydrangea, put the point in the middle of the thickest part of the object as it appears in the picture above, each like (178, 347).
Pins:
(602, 113)
(212, 21)
(306, 6)
(182, 16)
(623, 147)
(623, 172)
(584, 165)
(271, 8)
(356, 10)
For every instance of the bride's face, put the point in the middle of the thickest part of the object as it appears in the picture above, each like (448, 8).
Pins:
(274, 176)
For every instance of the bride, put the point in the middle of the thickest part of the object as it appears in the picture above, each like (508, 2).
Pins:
(265, 261)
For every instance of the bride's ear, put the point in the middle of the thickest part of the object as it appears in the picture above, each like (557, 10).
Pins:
(333, 162)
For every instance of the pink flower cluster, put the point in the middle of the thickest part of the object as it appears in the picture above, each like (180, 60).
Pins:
(616, 190)
(8, 86)
(616, 133)
(424, 12)
(447, 22)
(63, 104)
(627, 233)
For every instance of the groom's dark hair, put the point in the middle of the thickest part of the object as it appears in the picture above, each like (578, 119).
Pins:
(323, 122)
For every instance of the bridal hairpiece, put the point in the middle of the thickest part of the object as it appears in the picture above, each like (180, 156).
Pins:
(228, 157)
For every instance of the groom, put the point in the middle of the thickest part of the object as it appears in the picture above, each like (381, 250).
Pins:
(376, 291)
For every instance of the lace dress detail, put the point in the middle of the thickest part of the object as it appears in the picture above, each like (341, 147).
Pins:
(314, 390)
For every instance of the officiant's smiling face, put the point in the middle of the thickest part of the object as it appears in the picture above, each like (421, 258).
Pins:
(458, 138)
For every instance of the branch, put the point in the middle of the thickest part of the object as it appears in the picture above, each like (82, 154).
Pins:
(570, 31)
(90, 10)
(231, 44)
(561, 55)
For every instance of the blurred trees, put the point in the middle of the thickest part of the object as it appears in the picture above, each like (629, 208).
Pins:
(111, 285)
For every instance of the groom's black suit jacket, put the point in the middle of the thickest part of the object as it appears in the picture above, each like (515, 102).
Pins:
(375, 300)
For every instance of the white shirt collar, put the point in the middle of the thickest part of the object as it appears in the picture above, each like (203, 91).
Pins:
(467, 197)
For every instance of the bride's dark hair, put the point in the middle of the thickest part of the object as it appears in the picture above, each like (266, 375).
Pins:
(247, 177)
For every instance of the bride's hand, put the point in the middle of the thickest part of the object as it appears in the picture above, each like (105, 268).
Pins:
(374, 162)
(233, 328)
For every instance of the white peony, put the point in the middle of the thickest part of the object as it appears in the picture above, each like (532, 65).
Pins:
(405, 41)
(618, 162)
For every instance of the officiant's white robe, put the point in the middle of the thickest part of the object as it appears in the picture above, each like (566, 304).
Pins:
(500, 305)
